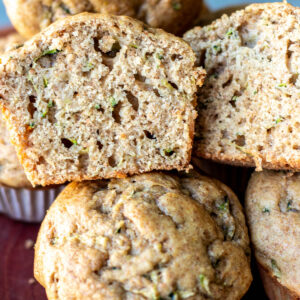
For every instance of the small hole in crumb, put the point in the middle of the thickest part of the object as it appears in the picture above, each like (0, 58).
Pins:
(260, 148)
(133, 100)
(139, 77)
(176, 57)
(116, 113)
(156, 92)
(31, 108)
(148, 55)
(227, 82)
(201, 59)
(113, 52)
(100, 146)
(67, 143)
(149, 135)
(96, 44)
(240, 140)
(112, 162)
(41, 160)
(174, 85)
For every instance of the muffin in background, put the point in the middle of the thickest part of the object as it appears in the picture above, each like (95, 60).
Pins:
(176, 16)
(11, 171)
(272, 209)
(17, 197)
(154, 236)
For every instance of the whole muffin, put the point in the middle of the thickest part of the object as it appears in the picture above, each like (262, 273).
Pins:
(18, 199)
(11, 171)
(151, 236)
(273, 207)
(31, 16)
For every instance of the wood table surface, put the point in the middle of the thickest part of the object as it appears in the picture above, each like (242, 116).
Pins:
(16, 262)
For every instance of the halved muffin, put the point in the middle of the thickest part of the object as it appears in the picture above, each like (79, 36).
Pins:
(99, 96)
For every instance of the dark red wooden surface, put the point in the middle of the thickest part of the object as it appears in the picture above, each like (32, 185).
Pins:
(16, 262)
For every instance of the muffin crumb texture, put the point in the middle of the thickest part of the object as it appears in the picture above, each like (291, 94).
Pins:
(151, 236)
(98, 96)
(273, 209)
(249, 105)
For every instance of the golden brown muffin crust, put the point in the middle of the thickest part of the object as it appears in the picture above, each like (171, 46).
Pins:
(273, 208)
(149, 236)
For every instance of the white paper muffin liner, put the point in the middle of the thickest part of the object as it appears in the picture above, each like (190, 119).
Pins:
(27, 205)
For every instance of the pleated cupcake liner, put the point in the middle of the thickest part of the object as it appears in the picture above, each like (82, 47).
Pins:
(27, 205)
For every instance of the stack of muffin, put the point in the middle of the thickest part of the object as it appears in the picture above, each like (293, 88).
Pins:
(106, 101)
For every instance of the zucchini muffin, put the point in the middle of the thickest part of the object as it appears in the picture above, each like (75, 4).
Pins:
(18, 199)
(31, 16)
(11, 171)
(99, 96)
(151, 236)
(273, 209)
(249, 106)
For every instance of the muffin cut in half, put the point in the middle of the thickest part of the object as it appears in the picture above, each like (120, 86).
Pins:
(273, 212)
(176, 16)
(99, 96)
(151, 236)
(249, 106)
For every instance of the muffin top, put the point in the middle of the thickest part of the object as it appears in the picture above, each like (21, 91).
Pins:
(11, 171)
(273, 211)
(156, 235)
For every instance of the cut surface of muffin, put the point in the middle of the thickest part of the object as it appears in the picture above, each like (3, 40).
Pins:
(99, 96)
(151, 236)
(249, 105)
(273, 210)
